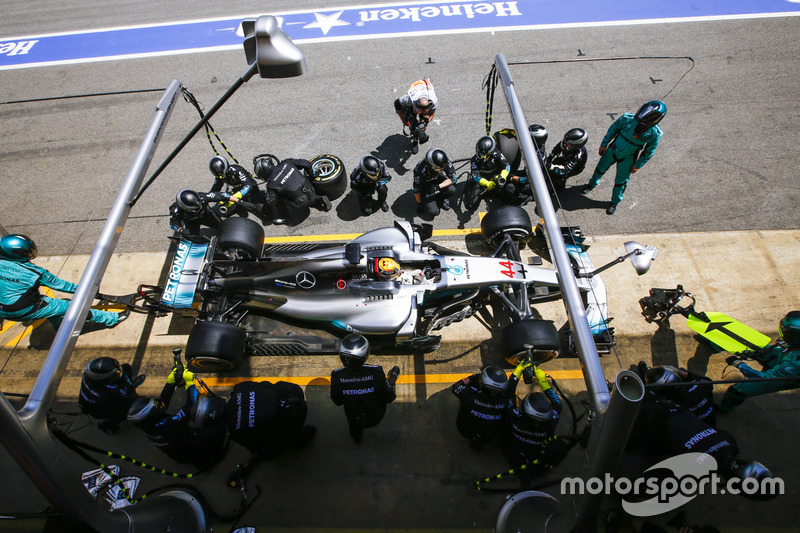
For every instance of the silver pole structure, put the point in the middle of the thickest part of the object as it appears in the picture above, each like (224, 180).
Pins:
(590, 361)
(618, 422)
(25, 434)
(44, 390)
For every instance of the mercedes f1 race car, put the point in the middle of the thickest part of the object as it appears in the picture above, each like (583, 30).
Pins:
(391, 284)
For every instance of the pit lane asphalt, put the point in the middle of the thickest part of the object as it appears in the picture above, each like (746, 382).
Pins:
(414, 472)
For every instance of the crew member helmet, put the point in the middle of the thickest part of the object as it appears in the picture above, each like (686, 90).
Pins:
(189, 201)
(218, 165)
(651, 113)
(18, 248)
(354, 350)
(494, 379)
(537, 406)
(484, 148)
(661, 375)
(371, 167)
(743, 468)
(387, 268)
(436, 158)
(538, 134)
(103, 370)
(789, 329)
(207, 411)
(143, 408)
(574, 139)
(263, 167)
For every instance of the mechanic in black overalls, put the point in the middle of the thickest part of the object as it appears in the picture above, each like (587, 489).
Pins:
(485, 399)
(490, 173)
(173, 434)
(289, 181)
(268, 418)
(107, 391)
(192, 210)
(697, 398)
(363, 389)
(665, 429)
(241, 185)
(434, 183)
(530, 429)
(369, 179)
(568, 158)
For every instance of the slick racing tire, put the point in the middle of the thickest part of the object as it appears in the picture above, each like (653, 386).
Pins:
(542, 334)
(241, 234)
(330, 176)
(509, 219)
(214, 347)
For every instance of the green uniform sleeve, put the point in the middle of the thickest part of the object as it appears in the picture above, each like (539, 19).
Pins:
(54, 282)
(649, 149)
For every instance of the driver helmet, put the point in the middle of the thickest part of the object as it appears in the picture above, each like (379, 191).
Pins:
(436, 158)
(144, 408)
(18, 248)
(387, 268)
(789, 329)
(484, 148)
(103, 370)
(218, 166)
(494, 380)
(538, 134)
(207, 411)
(189, 201)
(354, 350)
(371, 167)
(574, 139)
(263, 167)
(651, 113)
(537, 407)
(424, 103)
(661, 375)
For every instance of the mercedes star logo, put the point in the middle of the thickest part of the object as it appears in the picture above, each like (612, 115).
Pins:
(305, 279)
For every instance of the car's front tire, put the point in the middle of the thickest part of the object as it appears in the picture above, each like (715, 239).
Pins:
(507, 220)
(541, 334)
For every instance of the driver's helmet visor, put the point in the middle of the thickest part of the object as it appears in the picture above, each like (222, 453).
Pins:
(387, 268)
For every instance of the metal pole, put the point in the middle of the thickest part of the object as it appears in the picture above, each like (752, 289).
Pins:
(590, 361)
(617, 425)
(25, 434)
(44, 389)
(32, 459)
(252, 69)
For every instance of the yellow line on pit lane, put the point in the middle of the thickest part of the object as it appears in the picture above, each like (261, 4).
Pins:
(350, 236)
(414, 379)
(28, 330)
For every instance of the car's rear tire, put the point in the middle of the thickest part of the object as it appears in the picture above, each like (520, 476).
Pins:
(509, 219)
(215, 347)
(542, 334)
(243, 234)
(330, 176)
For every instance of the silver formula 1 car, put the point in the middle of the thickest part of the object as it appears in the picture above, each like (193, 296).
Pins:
(391, 284)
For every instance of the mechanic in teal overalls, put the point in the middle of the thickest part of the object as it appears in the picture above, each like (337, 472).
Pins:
(19, 287)
(630, 143)
(780, 359)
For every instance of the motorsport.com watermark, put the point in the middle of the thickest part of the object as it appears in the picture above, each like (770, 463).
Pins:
(694, 474)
